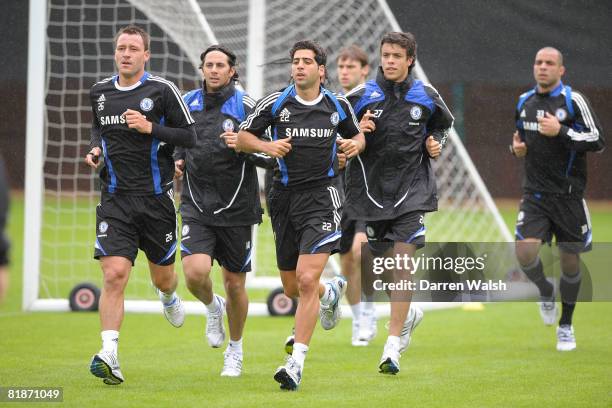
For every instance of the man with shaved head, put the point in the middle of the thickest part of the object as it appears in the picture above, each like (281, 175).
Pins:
(556, 127)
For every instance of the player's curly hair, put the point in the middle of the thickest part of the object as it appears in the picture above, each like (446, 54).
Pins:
(320, 54)
(404, 40)
(231, 58)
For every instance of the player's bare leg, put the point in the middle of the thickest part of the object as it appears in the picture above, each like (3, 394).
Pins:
(237, 308)
(197, 269)
(116, 270)
(105, 364)
(311, 292)
(197, 276)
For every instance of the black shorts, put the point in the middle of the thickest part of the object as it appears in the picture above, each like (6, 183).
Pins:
(349, 229)
(567, 218)
(126, 223)
(408, 228)
(232, 247)
(304, 222)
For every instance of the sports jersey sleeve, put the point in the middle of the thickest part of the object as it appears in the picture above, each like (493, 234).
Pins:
(441, 120)
(95, 134)
(178, 127)
(585, 135)
(261, 117)
(348, 127)
(257, 159)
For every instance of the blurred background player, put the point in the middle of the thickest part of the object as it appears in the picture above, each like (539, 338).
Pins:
(219, 202)
(304, 206)
(391, 185)
(353, 70)
(138, 118)
(4, 242)
(556, 127)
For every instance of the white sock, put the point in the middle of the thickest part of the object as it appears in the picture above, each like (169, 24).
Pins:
(213, 307)
(167, 298)
(356, 309)
(235, 346)
(368, 306)
(393, 341)
(299, 353)
(110, 340)
(329, 296)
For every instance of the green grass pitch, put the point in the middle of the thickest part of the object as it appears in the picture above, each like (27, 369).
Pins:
(501, 356)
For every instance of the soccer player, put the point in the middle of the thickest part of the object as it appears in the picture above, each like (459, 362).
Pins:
(391, 184)
(304, 206)
(138, 118)
(556, 127)
(353, 70)
(4, 243)
(219, 202)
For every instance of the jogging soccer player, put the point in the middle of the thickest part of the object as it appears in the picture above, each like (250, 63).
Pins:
(353, 69)
(305, 208)
(219, 202)
(556, 127)
(138, 118)
(391, 184)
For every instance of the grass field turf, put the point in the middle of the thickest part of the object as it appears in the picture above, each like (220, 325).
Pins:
(502, 356)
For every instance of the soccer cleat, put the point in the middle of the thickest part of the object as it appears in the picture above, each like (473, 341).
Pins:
(289, 342)
(389, 363)
(174, 311)
(289, 375)
(330, 315)
(566, 341)
(232, 364)
(415, 315)
(548, 311)
(367, 326)
(105, 365)
(215, 332)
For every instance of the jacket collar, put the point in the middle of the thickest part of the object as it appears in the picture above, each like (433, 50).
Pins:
(219, 97)
(393, 86)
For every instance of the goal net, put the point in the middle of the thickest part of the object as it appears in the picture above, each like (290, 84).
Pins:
(76, 35)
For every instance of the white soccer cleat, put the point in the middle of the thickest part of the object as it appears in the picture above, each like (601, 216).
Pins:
(215, 332)
(174, 311)
(548, 311)
(232, 364)
(330, 315)
(289, 375)
(367, 326)
(105, 365)
(415, 315)
(566, 340)
(389, 362)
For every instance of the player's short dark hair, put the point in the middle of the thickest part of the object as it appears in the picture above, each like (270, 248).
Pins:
(134, 29)
(404, 40)
(231, 57)
(354, 53)
(320, 54)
